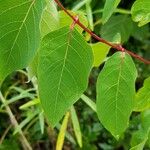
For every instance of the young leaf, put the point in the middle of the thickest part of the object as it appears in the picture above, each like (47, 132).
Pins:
(68, 135)
(29, 104)
(142, 99)
(65, 61)
(19, 33)
(61, 135)
(100, 52)
(76, 126)
(141, 12)
(115, 93)
(120, 24)
(110, 6)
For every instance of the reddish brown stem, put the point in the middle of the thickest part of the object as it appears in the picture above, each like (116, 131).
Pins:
(74, 22)
(115, 46)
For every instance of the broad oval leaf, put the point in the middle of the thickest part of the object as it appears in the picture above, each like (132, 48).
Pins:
(141, 12)
(65, 61)
(142, 99)
(19, 33)
(110, 6)
(115, 93)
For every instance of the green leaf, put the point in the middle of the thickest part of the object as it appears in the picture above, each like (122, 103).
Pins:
(89, 15)
(76, 126)
(145, 119)
(49, 22)
(29, 104)
(89, 102)
(140, 137)
(50, 18)
(41, 122)
(109, 8)
(141, 12)
(65, 61)
(100, 51)
(80, 4)
(115, 93)
(120, 24)
(19, 33)
(142, 99)
(61, 135)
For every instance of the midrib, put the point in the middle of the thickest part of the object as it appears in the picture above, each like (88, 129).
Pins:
(62, 70)
(20, 28)
(116, 97)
